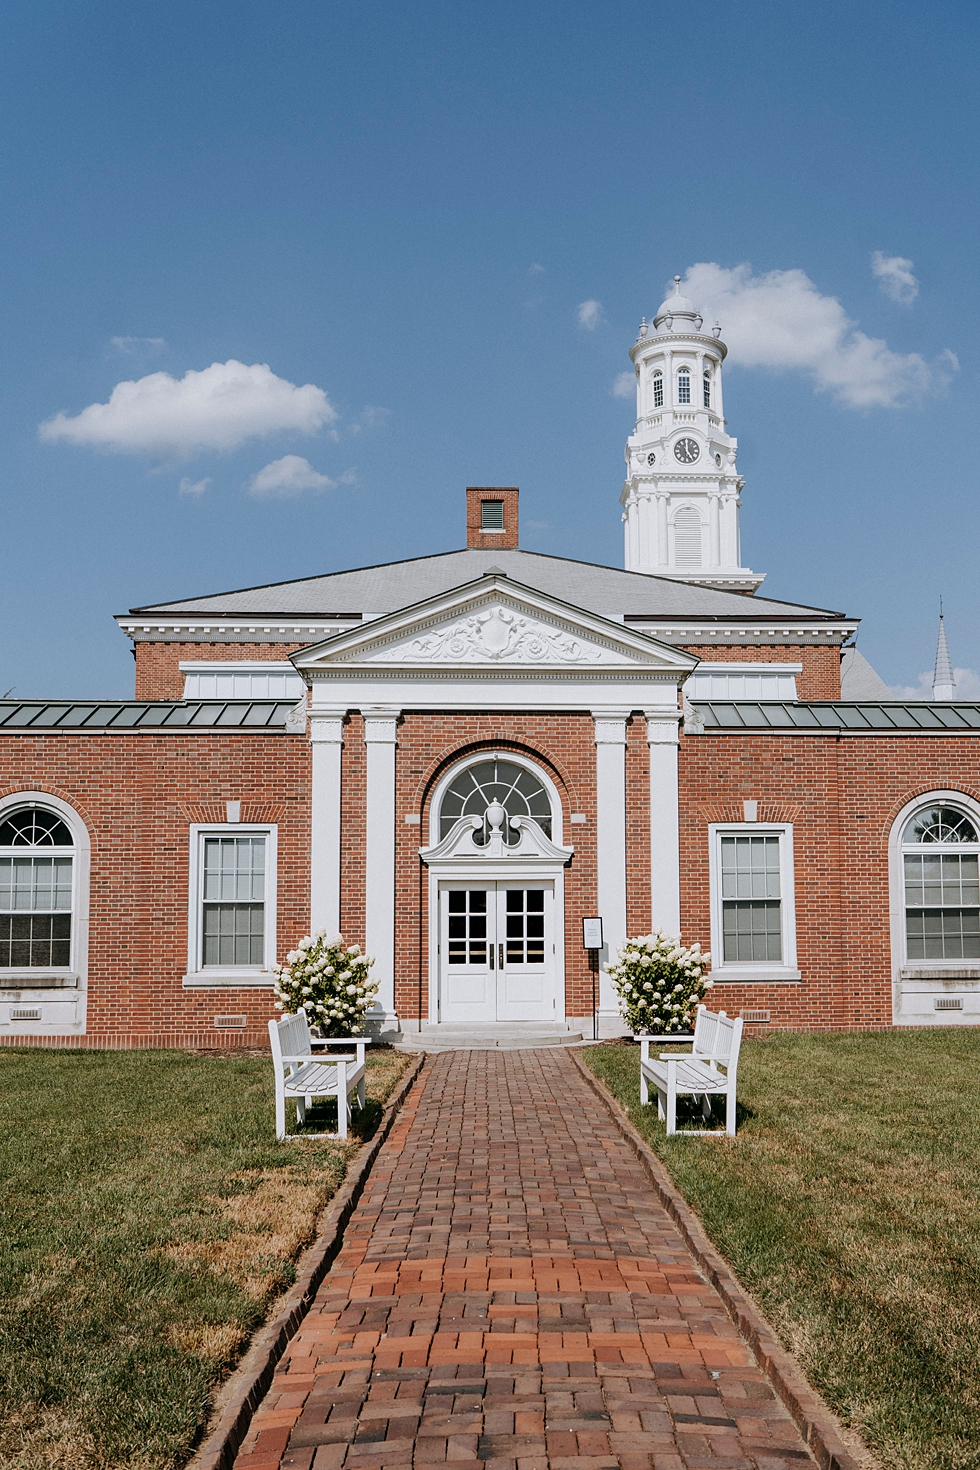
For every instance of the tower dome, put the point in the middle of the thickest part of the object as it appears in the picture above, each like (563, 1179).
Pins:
(677, 306)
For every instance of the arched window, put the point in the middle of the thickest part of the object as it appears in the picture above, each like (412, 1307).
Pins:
(940, 857)
(707, 390)
(518, 789)
(684, 386)
(37, 888)
(687, 538)
(658, 389)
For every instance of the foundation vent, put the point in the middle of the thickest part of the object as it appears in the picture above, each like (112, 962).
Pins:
(25, 1013)
(756, 1015)
(227, 1023)
(949, 1003)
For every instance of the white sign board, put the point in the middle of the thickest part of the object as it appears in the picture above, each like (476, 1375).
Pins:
(591, 933)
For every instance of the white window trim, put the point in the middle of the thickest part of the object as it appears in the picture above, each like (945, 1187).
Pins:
(75, 974)
(474, 759)
(754, 972)
(904, 968)
(239, 977)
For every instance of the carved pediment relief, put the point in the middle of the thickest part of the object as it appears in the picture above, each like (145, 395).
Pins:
(463, 844)
(497, 634)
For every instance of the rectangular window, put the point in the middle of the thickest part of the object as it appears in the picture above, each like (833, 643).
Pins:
(942, 906)
(753, 918)
(233, 904)
(35, 912)
(707, 390)
(683, 388)
(234, 901)
(658, 391)
(491, 515)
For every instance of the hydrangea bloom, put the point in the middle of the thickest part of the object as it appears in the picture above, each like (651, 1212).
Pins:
(329, 981)
(660, 983)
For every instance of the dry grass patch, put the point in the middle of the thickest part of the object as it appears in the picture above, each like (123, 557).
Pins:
(150, 1219)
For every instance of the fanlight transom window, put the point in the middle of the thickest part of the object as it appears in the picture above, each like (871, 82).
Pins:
(941, 855)
(35, 891)
(518, 790)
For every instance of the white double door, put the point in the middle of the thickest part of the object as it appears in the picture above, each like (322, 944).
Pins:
(497, 952)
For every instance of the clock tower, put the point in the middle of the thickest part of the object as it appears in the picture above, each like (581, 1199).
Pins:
(681, 496)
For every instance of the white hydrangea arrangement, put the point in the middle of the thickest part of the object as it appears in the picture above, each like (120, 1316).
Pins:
(660, 983)
(328, 980)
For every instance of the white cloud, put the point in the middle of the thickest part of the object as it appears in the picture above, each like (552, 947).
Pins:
(536, 269)
(133, 345)
(624, 385)
(218, 408)
(590, 314)
(193, 487)
(894, 275)
(781, 321)
(967, 683)
(289, 476)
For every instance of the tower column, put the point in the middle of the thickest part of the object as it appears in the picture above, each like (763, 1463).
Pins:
(381, 739)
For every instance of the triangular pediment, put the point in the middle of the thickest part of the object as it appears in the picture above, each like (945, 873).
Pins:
(493, 623)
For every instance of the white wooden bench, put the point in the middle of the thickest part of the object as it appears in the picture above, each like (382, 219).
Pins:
(302, 1075)
(711, 1068)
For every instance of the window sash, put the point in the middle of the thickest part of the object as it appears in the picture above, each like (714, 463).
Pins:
(707, 391)
(658, 391)
(30, 883)
(233, 900)
(750, 886)
(942, 905)
(683, 388)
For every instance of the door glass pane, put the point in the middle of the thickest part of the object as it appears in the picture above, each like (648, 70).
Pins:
(525, 926)
(467, 926)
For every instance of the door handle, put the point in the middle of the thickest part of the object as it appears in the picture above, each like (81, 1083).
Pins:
(490, 947)
(500, 957)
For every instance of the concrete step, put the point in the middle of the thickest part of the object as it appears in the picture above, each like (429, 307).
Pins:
(502, 1037)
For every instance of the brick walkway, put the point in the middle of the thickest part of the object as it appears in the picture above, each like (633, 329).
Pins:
(511, 1291)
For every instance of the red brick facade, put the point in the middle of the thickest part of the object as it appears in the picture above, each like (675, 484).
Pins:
(158, 673)
(506, 539)
(819, 679)
(139, 793)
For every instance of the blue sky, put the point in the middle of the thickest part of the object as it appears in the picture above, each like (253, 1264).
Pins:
(401, 210)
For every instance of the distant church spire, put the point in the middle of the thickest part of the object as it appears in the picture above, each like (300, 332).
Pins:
(943, 684)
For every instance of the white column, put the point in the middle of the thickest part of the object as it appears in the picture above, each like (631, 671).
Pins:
(327, 740)
(610, 767)
(665, 873)
(381, 738)
(663, 544)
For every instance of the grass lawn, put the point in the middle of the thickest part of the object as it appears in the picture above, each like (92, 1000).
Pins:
(149, 1218)
(849, 1204)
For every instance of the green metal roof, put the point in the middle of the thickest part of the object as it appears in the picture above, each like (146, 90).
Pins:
(121, 715)
(840, 716)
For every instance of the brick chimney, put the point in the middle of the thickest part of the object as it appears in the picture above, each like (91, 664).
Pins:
(491, 517)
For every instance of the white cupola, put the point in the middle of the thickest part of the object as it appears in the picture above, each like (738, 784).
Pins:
(681, 496)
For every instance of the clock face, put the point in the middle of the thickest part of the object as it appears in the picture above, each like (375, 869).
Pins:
(687, 451)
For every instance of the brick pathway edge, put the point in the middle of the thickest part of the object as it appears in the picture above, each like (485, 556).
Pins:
(816, 1421)
(242, 1393)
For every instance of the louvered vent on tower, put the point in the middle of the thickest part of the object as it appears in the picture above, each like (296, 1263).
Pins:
(687, 538)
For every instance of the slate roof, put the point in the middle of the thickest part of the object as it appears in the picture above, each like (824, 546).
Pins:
(841, 716)
(95, 714)
(387, 588)
(858, 680)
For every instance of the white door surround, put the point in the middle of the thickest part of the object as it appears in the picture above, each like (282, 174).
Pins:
(497, 953)
(533, 863)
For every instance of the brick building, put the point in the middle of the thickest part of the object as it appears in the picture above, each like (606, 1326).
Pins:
(456, 759)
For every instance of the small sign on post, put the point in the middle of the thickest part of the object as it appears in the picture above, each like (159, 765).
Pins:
(592, 943)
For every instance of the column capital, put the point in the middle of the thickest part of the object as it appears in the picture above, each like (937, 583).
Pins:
(662, 726)
(381, 726)
(326, 729)
(610, 726)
